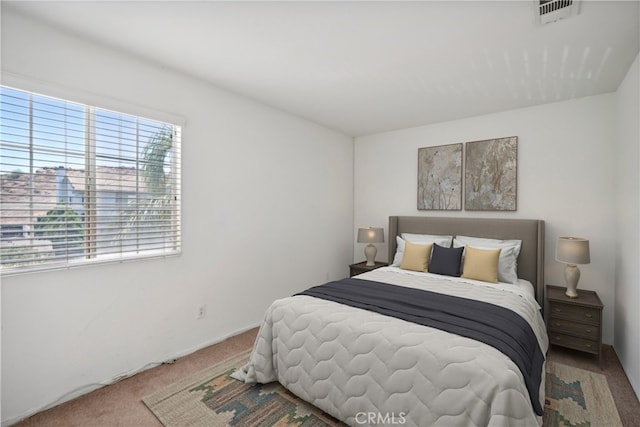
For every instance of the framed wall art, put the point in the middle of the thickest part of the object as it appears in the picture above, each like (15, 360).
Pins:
(491, 170)
(440, 177)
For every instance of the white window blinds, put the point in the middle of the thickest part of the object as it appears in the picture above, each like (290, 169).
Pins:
(82, 184)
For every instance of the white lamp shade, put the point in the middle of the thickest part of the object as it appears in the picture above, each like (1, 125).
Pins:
(573, 250)
(370, 235)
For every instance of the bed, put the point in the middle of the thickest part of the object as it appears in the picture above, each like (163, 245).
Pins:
(368, 367)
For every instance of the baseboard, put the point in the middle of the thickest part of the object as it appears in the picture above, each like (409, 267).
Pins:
(214, 341)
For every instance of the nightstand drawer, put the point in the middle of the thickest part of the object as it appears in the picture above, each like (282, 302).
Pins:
(575, 343)
(562, 326)
(575, 313)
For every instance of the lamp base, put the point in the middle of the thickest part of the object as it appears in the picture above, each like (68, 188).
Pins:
(370, 252)
(571, 277)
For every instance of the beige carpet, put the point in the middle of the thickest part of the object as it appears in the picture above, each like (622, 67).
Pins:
(210, 398)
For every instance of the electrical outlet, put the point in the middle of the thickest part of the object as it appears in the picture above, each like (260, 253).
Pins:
(202, 311)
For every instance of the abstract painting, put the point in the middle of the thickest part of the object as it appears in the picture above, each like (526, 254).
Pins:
(491, 169)
(440, 177)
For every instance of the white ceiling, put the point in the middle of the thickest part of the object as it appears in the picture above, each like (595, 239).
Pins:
(366, 67)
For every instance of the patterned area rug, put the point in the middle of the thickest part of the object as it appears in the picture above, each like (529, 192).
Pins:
(576, 397)
(210, 398)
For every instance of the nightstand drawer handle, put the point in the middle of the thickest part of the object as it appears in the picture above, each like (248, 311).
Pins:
(557, 324)
(557, 338)
(558, 310)
(588, 315)
(588, 345)
(588, 330)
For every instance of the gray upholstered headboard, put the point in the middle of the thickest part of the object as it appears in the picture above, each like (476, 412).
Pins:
(530, 231)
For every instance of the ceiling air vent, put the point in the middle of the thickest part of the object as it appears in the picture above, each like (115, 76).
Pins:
(552, 10)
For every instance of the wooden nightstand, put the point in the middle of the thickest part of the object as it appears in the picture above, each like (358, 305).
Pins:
(575, 322)
(361, 267)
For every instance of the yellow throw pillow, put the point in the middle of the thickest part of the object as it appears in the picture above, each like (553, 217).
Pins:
(416, 256)
(481, 264)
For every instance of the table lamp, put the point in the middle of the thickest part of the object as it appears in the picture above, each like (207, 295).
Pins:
(370, 235)
(572, 251)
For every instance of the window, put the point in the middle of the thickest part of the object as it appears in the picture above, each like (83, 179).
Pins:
(82, 184)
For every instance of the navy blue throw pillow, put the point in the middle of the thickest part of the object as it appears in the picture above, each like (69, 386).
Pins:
(445, 261)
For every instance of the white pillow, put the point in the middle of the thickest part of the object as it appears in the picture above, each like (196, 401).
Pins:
(508, 263)
(428, 238)
(420, 239)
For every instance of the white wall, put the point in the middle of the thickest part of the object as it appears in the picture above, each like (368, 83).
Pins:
(267, 210)
(565, 177)
(627, 319)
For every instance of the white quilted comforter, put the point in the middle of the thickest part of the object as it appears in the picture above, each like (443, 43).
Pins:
(368, 369)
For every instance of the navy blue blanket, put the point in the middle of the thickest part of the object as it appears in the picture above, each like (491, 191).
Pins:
(488, 323)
